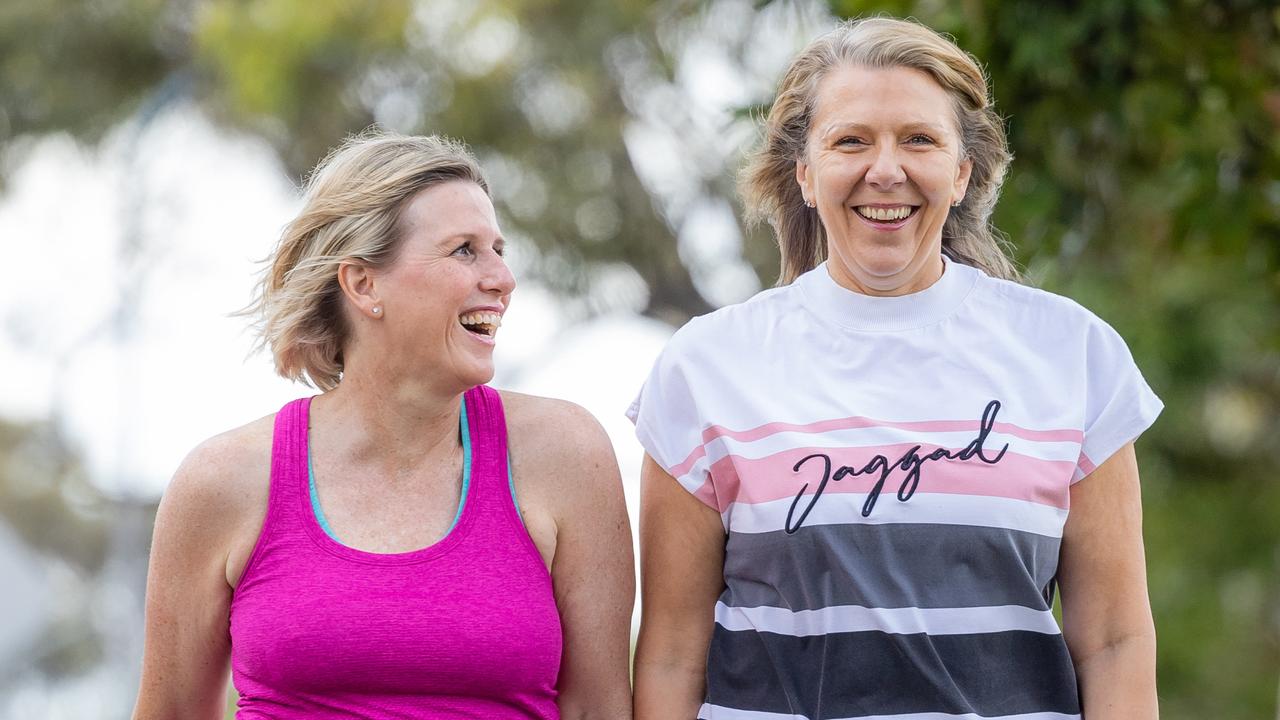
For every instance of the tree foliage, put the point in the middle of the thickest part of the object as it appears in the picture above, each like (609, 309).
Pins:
(46, 497)
(1147, 145)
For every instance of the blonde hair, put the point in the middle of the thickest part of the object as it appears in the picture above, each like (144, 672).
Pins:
(768, 182)
(351, 211)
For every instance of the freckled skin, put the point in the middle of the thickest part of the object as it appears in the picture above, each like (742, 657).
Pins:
(883, 137)
(449, 261)
(388, 464)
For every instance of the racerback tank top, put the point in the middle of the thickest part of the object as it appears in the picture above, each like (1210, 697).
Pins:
(464, 628)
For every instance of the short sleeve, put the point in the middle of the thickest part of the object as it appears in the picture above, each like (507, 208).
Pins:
(669, 424)
(1119, 405)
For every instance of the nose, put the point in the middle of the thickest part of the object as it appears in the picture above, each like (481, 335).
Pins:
(497, 277)
(886, 167)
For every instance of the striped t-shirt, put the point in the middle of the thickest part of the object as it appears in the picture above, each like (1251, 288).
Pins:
(893, 475)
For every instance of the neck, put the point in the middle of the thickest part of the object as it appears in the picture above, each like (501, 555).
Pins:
(398, 422)
(923, 271)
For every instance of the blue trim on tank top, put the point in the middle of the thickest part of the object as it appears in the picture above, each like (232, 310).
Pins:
(462, 499)
(511, 483)
(462, 496)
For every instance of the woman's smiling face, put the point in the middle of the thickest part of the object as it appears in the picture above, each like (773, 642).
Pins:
(443, 297)
(883, 164)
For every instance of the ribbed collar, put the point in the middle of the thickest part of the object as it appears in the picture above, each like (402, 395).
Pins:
(856, 311)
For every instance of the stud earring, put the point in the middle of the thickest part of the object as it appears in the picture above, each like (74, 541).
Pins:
(377, 310)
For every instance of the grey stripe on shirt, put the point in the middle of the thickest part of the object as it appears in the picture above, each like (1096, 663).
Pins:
(845, 675)
(889, 566)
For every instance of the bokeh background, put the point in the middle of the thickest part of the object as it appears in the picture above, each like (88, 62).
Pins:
(151, 150)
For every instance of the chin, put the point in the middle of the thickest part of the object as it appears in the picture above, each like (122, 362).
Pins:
(884, 271)
(478, 375)
(888, 261)
(881, 267)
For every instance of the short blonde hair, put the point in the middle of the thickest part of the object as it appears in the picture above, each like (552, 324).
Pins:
(768, 183)
(351, 212)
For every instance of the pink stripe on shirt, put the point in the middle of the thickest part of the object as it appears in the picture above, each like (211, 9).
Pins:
(1018, 477)
(713, 432)
(763, 431)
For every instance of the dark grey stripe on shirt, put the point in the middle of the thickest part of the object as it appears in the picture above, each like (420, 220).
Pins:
(889, 566)
(873, 673)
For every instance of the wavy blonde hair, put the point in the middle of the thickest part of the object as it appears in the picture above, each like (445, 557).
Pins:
(768, 181)
(351, 211)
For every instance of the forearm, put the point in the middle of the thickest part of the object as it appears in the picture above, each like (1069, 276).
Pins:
(606, 701)
(166, 705)
(682, 565)
(618, 709)
(179, 683)
(667, 691)
(1118, 681)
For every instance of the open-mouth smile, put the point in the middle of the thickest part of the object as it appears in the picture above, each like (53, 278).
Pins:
(886, 217)
(482, 324)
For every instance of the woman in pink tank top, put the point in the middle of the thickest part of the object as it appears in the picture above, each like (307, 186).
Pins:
(410, 543)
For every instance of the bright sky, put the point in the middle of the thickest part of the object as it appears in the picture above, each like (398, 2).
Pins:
(137, 356)
(139, 392)
(131, 254)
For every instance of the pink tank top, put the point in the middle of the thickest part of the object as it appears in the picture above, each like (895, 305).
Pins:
(465, 628)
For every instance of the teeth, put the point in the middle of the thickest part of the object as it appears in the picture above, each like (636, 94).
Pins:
(882, 213)
(492, 319)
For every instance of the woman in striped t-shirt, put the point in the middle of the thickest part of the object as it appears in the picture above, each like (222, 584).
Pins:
(864, 487)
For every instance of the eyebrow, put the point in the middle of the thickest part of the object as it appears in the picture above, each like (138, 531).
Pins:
(917, 126)
(469, 237)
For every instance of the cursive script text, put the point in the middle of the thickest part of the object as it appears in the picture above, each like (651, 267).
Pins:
(881, 467)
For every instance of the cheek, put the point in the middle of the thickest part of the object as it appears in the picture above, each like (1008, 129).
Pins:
(838, 172)
(927, 183)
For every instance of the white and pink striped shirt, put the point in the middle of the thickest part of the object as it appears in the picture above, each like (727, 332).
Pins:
(893, 475)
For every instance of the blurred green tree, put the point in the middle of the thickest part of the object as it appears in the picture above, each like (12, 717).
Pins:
(46, 497)
(40, 479)
(1145, 185)
(528, 84)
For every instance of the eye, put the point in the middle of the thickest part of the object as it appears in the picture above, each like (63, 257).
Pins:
(464, 249)
(919, 139)
(849, 141)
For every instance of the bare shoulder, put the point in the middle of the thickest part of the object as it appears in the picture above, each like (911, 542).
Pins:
(226, 469)
(218, 496)
(554, 432)
(557, 442)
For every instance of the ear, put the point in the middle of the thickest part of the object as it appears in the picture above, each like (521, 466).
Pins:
(962, 180)
(803, 180)
(360, 288)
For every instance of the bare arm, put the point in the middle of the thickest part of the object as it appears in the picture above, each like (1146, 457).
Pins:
(187, 646)
(208, 518)
(593, 570)
(682, 575)
(1105, 610)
